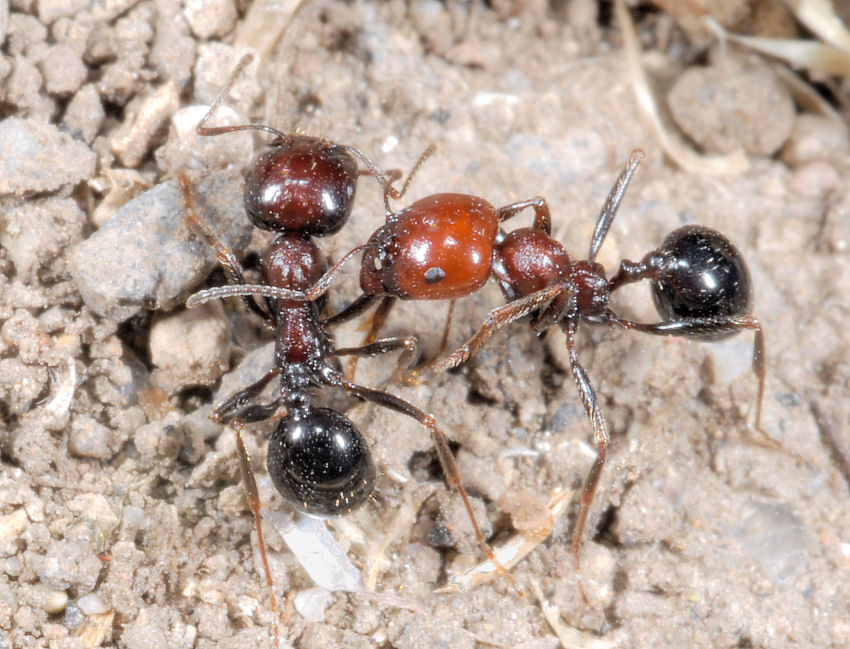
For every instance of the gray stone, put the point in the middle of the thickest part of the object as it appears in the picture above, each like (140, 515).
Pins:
(145, 257)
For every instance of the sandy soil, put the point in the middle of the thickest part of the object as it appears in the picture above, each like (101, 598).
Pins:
(122, 516)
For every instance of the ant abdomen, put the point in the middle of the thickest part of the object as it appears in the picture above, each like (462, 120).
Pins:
(320, 462)
(703, 276)
(301, 184)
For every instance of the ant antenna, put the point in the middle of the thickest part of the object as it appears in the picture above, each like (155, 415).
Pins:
(390, 191)
(200, 129)
(609, 210)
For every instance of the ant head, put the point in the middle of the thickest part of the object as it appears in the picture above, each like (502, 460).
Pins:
(703, 276)
(301, 184)
(319, 461)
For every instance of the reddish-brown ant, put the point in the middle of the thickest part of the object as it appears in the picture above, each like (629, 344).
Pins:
(301, 187)
(701, 288)
(440, 247)
(447, 245)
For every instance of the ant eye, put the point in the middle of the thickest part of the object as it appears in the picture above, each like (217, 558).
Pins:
(434, 275)
(320, 462)
(704, 276)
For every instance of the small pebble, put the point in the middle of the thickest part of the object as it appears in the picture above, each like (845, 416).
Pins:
(12, 566)
(84, 114)
(11, 527)
(63, 70)
(50, 600)
(311, 604)
(190, 347)
(144, 257)
(92, 604)
(29, 152)
(39, 231)
(74, 617)
(88, 438)
(731, 106)
(173, 49)
(145, 117)
(816, 138)
(210, 18)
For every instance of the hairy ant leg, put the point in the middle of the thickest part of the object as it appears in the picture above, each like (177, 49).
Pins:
(238, 400)
(542, 218)
(723, 326)
(224, 255)
(600, 437)
(441, 445)
(254, 502)
(496, 319)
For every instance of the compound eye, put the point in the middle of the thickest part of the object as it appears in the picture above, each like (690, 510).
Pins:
(320, 462)
(704, 276)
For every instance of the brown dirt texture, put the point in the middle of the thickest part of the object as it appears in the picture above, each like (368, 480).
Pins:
(123, 519)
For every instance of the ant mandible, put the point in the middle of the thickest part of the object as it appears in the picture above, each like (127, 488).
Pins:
(301, 187)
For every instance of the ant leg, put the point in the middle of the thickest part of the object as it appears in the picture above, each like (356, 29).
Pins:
(383, 346)
(224, 255)
(253, 493)
(542, 219)
(706, 326)
(238, 400)
(360, 305)
(441, 445)
(601, 439)
(414, 372)
(379, 318)
(444, 341)
(496, 319)
(609, 210)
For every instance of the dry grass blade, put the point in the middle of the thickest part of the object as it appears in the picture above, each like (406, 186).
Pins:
(673, 146)
(820, 17)
(570, 637)
(513, 550)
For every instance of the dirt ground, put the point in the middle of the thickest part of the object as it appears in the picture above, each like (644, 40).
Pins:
(123, 521)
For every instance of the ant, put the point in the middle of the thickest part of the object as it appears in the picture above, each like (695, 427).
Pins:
(700, 285)
(300, 187)
(440, 247)
(446, 246)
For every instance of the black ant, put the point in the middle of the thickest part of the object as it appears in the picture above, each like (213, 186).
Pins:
(301, 187)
